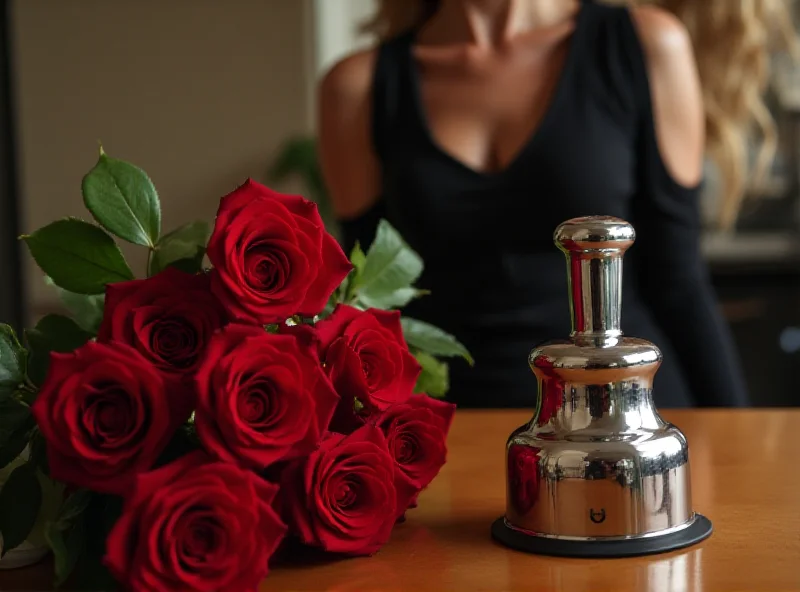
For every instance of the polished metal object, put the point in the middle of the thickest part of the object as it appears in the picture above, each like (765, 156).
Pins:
(597, 463)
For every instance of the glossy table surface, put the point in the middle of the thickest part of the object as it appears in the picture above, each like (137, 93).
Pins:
(745, 478)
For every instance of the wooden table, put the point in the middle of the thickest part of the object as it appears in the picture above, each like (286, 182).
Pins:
(745, 477)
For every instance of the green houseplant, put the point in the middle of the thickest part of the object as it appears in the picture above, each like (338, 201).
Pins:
(298, 158)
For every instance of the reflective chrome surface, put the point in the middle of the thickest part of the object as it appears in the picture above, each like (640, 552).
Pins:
(594, 247)
(597, 461)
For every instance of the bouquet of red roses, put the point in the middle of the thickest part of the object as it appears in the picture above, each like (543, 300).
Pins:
(198, 418)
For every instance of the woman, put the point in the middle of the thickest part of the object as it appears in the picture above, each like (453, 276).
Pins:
(477, 126)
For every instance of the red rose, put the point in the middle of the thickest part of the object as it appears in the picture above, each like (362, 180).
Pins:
(416, 432)
(550, 395)
(272, 256)
(195, 525)
(523, 477)
(367, 358)
(105, 416)
(346, 496)
(261, 397)
(168, 318)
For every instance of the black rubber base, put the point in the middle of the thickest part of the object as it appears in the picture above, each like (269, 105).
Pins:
(701, 529)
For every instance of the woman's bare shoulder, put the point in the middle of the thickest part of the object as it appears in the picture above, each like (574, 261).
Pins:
(676, 91)
(350, 79)
(348, 162)
(663, 36)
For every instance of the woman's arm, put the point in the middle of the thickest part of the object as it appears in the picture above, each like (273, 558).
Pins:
(349, 165)
(676, 94)
(674, 276)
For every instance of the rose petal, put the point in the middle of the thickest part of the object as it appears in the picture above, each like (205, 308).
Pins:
(333, 327)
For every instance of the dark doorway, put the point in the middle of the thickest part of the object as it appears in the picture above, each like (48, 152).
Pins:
(12, 310)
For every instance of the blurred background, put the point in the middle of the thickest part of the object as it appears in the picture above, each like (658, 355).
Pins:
(204, 93)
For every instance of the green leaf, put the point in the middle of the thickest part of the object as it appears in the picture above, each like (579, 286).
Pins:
(16, 442)
(357, 257)
(39, 452)
(74, 507)
(191, 266)
(434, 380)
(12, 415)
(52, 501)
(390, 265)
(12, 361)
(397, 299)
(67, 546)
(183, 248)
(122, 198)
(432, 340)
(66, 535)
(351, 283)
(86, 310)
(20, 500)
(78, 256)
(299, 157)
(53, 333)
(16, 423)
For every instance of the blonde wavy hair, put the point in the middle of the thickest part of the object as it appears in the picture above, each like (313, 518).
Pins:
(734, 41)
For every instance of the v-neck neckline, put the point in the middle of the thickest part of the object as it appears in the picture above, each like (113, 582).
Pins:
(555, 98)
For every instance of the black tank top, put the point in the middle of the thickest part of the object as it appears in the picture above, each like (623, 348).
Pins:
(497, 282)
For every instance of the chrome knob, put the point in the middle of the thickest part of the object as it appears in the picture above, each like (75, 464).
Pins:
(594, 247)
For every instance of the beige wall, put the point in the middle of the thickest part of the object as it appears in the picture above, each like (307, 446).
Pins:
(337, 26)
(199, 93)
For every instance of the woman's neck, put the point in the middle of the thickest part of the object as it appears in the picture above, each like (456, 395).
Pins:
(492, 23)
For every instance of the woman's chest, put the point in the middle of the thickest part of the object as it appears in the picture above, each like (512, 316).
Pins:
(583, 164)
(485, 119)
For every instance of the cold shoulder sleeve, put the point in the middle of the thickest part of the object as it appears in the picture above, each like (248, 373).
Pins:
(673, 275)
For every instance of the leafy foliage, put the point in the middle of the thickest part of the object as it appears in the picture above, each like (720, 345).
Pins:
(383, 278)
(20, 500)
(12, 362)
(16, 423)
(78, 256)
(123, 199)
(86, 310)
(184, 248)
(298, 158)
(434, 380)
(54, 333)
(66, 536)
(428, 338)
(80, 259)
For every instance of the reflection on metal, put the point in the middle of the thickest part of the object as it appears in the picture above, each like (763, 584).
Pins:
(597, 462)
